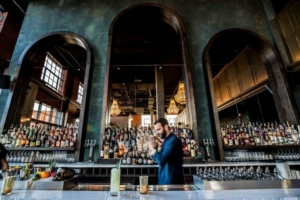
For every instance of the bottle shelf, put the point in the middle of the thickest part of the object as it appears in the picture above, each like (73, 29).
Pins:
(39, 149)
(260, 147)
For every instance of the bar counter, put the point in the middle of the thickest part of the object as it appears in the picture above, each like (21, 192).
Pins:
(273, 194)
(85, 165)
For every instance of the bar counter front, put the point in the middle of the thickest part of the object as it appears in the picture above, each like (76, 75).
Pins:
(202, 181)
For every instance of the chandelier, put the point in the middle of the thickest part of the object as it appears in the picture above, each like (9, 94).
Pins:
(173, 109)
(115, 110)
(180, 96)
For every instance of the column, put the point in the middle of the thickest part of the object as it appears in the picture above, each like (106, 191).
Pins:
(160, 92)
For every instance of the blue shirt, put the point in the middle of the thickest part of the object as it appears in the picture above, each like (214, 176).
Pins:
(170, 161)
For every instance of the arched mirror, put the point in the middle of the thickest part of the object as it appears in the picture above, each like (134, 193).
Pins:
(147, 67)
(247, 85)
(50, 89)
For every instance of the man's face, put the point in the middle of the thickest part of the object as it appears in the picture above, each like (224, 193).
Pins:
(160, 130)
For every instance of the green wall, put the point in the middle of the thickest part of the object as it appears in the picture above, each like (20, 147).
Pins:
(91, 19)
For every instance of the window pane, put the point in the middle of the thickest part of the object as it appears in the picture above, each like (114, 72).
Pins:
(47, 117)
(36, 106)
(42, 116)
(34, 114)
(43, 109)
(54, 73)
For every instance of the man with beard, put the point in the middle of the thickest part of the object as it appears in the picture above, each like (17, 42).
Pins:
(169, 158)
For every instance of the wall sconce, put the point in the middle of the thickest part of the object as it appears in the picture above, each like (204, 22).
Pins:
(4, 81)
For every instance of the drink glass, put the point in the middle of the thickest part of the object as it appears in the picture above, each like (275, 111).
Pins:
(8, 184)
(115, 177)
(143, 184)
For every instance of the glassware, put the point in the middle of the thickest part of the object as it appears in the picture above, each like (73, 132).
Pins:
(115, 177)
(143, 184)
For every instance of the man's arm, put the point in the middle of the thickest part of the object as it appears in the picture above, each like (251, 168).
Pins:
(4, 163)
(166, 155)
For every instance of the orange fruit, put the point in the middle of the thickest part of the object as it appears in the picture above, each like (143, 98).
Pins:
(45, 174)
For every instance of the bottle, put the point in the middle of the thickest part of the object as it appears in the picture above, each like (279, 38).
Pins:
(129, 159)
(193, 152)
(133, 160)
(124, 160)
(121, 150)
(106, 152)
(111, 152)
(116, 151)
(27, 144)
(102, 152)
(32, 141)
(139, 159)
(38, 142)
(19, 141)
(62, 143)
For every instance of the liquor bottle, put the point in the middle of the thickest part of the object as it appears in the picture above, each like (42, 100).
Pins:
(47, 143)
(106, 151)
(121, 150)
(63, 142)
(14, 141)
(139, 159)
(72, 141)
(102, 152)
(67, 142)
(124, 160)
(133, 160)
(129, 159)
(116, 151)
(145, 160)
(38, 142)
(32, 141)
(4, 139)
(57, 142)
(193, 152)
(19, 141)
(27, 144)
(111, 152)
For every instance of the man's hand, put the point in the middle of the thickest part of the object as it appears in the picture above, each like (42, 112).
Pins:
(152, 152)
(152, 145)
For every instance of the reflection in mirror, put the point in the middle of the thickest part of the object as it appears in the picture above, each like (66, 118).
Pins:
(145, 69)
(241, 83)
(55, 90)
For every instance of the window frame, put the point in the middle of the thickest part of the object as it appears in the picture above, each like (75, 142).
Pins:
(53, 73)
(51, 118)
(79, 93)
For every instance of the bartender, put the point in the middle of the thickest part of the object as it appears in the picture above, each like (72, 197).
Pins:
(169, 158)
(3, 161)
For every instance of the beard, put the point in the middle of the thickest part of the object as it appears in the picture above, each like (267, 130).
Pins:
(163, 134)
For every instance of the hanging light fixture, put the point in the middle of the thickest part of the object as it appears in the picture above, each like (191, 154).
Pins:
(173, 109)
(115, 110)
(180, 96)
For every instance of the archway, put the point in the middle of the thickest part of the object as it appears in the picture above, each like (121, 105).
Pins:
(285, 105)
(24, 70)
(163, 14)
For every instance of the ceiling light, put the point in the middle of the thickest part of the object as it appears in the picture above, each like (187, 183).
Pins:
(115, 110)
(173, 109)
(180, 96)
